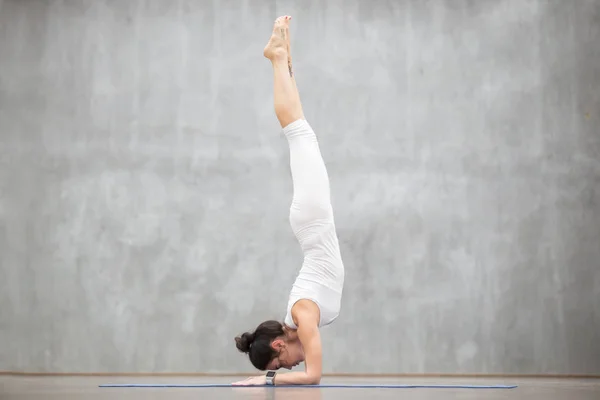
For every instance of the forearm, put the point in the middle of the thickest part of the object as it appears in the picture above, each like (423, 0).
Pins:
(296, 378)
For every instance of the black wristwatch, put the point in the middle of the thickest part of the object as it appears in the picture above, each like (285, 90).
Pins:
(270, 377)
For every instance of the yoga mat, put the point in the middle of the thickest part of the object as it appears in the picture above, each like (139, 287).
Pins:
(356, 386)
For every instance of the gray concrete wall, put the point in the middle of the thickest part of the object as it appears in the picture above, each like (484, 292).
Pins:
(144, 184)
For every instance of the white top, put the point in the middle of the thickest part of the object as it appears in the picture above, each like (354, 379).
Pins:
(321, 278)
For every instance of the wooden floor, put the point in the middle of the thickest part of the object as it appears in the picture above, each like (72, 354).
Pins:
(66, 388)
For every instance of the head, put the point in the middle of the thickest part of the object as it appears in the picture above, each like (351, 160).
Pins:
(271, 346)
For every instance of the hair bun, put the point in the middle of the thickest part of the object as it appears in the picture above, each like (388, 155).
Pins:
(244, 342)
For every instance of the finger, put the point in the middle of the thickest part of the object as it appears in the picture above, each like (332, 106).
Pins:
(242, 382)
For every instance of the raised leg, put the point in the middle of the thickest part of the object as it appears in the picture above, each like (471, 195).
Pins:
(311, 210)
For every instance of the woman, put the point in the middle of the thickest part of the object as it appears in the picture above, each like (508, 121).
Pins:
(316, 294)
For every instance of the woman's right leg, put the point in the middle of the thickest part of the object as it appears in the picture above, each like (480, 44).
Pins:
(311, 207)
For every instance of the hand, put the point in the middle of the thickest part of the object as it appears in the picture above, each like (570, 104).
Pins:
(252, 381)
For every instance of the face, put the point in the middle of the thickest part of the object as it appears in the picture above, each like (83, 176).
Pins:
(289, 355)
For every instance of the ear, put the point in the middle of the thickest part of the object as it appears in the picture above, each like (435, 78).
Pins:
(278, 344)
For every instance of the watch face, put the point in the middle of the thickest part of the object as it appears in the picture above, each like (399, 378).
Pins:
(270, 374)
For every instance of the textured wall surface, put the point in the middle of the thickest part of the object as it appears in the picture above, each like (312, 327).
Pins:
(144, 182)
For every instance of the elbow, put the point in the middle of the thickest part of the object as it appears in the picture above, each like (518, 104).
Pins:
(313, 379)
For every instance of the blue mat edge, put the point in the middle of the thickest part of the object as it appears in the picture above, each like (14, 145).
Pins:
(356, 386)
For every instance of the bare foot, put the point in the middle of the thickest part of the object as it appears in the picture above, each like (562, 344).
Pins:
(277, 46)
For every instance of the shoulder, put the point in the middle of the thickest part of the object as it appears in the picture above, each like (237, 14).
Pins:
(306, 312)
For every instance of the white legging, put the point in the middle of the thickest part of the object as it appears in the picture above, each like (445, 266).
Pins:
(311, 203)
(321, 277)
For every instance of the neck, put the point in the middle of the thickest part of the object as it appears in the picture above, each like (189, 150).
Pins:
(290, 334)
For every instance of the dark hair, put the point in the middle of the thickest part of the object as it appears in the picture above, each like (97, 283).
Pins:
(258, 343)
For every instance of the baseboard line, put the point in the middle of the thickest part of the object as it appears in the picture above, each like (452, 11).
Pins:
(329, 375)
